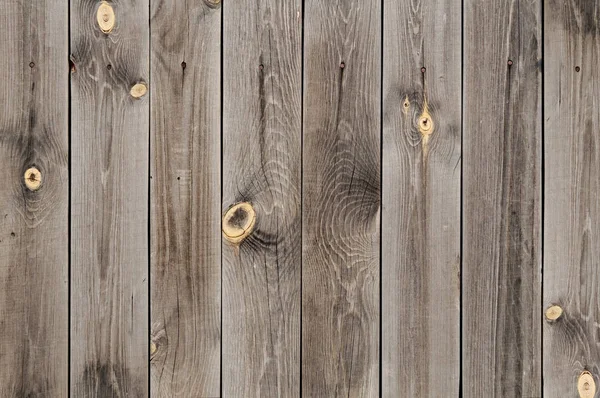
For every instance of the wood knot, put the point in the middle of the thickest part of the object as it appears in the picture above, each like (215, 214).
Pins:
(553, 313)
(33, 179)
(406, 105)
(425, 124)
(238, 222)
(105, 17)
(586, 385)
(138, 90)
(153, 349)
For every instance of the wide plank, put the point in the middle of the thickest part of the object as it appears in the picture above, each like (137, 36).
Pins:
(421, 198)
(501, 293)
(185, 198)
(341, 198)
(261, 176)
(572, 195)
(109, 199)
(34, 198)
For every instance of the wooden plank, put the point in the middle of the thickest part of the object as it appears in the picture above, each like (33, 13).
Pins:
(572, 193)
(33, 223)
(421, 198)
(501, 350)
(341, 198)
(185, 198)
(109, 199)
(261, 166)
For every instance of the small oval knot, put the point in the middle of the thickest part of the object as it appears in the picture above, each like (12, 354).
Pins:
(105, 17)
(33, 179)
(138, 90)
(553, 313)
(238, 222)
(586, 385)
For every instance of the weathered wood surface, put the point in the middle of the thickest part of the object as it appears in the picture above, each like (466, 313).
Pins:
(341, 198)
(186, 196)
(572, 193)
(109, 202)
(420, 273)
(501, 349)
(261, 166)
(34, 78)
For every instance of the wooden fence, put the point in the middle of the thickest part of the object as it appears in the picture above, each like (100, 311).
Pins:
(282, 198)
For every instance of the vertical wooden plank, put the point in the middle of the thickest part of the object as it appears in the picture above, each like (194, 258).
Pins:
(185, 198)
(109, 201)
(501, 199)
(33, 223)
(261, 167)
(572, 194)
(341, 198)
(421, 198)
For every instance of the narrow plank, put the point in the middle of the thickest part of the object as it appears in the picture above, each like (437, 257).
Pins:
(501, 350)
(109, 200)
(572, 193)
(421, 198)
(34, 76)
(341, 198)
(185, 198)
(261, 166)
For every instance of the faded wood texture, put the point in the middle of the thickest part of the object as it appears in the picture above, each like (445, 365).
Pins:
(109, 202)
(186, 195)
(34, 78)
(261, 166)
(341, 198)
(501, 296)
(572, 193)
(420, 273)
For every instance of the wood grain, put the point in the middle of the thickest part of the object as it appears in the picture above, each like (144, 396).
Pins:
(421, 198)
(109, 202)
(185, 198)
(261, 166)
(501, 308)
(33, 222)
(341, 198)
(572, 193)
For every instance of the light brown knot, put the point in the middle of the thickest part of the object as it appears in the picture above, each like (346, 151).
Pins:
(105, 17)
(586, 385)
(553, 313)
(238, 222)
(138, 90)
(33, 179)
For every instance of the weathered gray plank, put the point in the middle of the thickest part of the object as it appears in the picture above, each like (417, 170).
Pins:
(261, 166)
(341, 198)
(501, 199)
(572, 193)
(34, 76)
(109, 201)
(185, 198)
(421, 198)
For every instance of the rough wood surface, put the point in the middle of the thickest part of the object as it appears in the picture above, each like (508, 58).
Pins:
(34, 77)
(421, 198)
(109, 202)
(572, 194)
(186, 196)
(341, 198)
(261, 165)
(501, 307)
